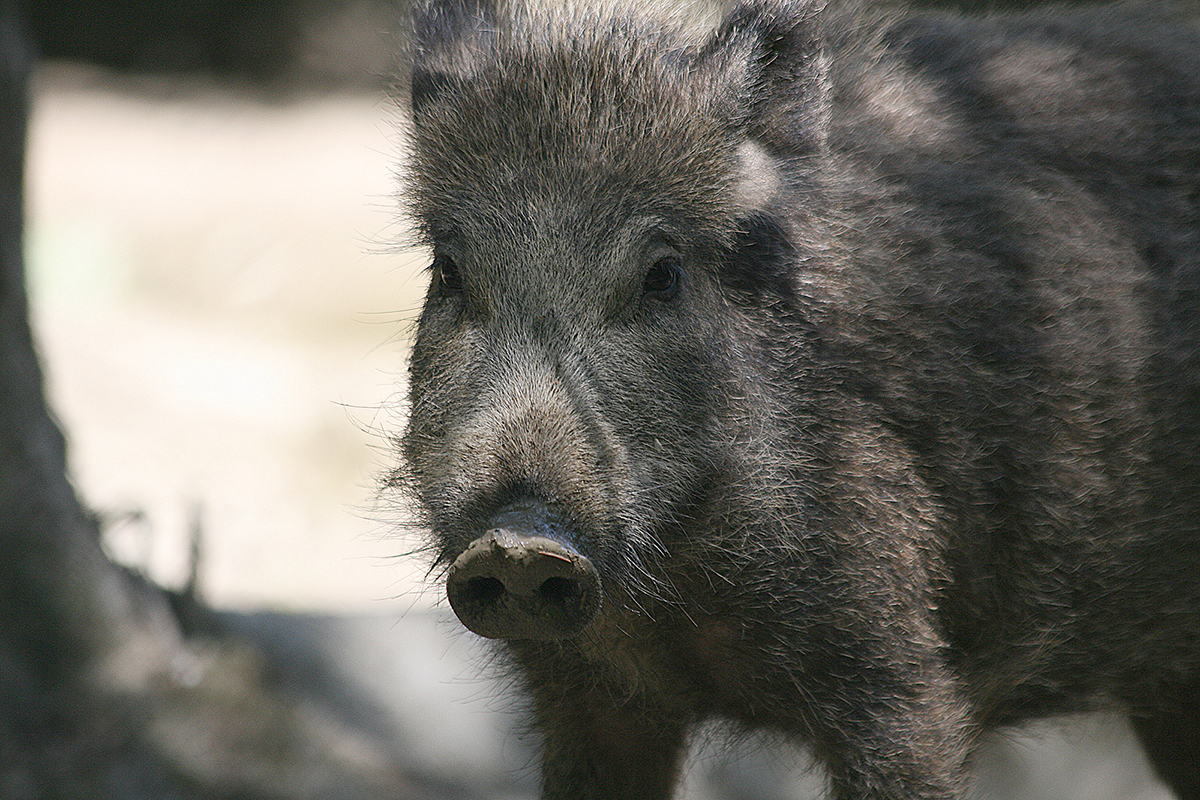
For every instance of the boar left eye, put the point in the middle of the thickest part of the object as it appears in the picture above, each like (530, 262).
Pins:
(446, 273)
(663, 277)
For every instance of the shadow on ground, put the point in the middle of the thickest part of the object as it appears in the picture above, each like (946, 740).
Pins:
(418, 689)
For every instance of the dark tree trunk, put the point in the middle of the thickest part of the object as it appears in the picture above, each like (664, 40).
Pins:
(64, 608)
(103, 694)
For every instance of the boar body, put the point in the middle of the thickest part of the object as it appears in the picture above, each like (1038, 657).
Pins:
(838, 374)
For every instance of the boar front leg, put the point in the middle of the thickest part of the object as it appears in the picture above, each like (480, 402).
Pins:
(891, 728)
(602, 752)
(878, 762)
(603, 740)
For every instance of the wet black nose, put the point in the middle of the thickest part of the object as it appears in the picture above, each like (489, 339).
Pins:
(523, 579)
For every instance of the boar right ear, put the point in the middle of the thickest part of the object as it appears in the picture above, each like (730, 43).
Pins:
(773, 55)
(447, 40)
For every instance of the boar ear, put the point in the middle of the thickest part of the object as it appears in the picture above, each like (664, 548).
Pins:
(773, 55)
(448, 38)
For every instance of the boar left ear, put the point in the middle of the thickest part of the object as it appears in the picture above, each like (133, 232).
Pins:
(447, 39)
(781, 73)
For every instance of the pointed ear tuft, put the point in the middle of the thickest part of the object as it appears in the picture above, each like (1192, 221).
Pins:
(787, 96)
(447, 38)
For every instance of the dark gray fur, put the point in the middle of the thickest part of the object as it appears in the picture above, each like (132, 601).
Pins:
(912, 448)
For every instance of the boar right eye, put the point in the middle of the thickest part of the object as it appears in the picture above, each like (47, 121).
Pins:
(662, 279)
(446, 273)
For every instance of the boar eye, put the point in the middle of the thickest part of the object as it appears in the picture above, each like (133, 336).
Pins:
(662, 279)
(446, 273)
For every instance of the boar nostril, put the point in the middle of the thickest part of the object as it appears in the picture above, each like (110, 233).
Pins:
(484, 590)
(523, 580)
(558, 590)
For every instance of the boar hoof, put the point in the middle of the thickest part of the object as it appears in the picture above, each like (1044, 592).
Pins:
(520, 581)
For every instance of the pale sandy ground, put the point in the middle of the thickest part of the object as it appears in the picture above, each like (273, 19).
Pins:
(223, 323)
(220, 320)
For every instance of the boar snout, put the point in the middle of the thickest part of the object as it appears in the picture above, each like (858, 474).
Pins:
(523, 579)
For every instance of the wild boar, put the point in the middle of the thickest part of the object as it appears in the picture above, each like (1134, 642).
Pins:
(827, 370)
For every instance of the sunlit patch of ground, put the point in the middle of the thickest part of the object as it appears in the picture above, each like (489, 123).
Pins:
(222, 324)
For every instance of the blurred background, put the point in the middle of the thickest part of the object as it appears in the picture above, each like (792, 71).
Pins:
(221, 295)
(218, 290)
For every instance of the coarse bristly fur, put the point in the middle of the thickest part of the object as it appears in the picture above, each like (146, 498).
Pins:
(861, 353)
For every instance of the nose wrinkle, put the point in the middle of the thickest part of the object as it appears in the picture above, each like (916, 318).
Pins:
(575, 380)
(526, 432)
(538, 431)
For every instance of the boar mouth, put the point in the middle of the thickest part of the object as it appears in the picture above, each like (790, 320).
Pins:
(524, 578)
